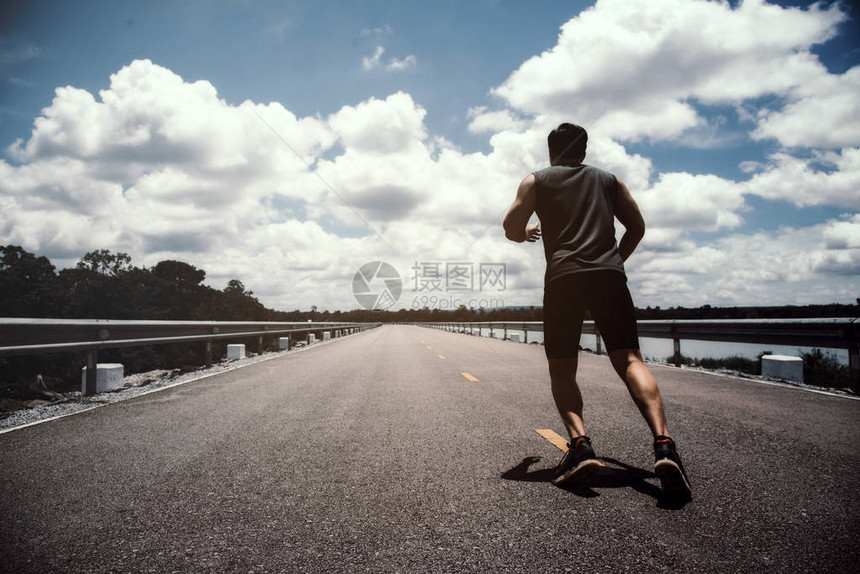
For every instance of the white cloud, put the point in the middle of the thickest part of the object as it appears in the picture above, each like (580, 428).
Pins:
(373, 61)
(394, 64)
(823, 112)
(788, 266)
(637, 65)
(843, 234)
(397, 65)
(692, 202)
(384, 30)
(485, 121)
(160, 167)
(381, 126)
(823, 179)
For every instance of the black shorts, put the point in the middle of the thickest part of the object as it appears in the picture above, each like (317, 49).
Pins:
(605, 294)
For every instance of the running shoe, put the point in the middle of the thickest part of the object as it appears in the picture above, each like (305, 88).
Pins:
(668, 467)
(578, 462)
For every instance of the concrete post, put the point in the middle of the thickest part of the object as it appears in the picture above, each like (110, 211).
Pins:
(782, 367)
(109, 376)
(235, 352)
(284, 343)
(854, 366)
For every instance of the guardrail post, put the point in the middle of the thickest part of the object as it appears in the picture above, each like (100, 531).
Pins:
(260, 345)
(854, 366)
(505, 338)
(597, 344)
(92, 372)
(491, 331)
(676, 343)
(208, 353)
(525, 335)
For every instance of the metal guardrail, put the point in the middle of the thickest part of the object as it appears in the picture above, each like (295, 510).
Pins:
(39, 336)
(839, 333)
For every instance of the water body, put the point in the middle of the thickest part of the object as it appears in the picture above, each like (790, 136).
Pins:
(661, 349)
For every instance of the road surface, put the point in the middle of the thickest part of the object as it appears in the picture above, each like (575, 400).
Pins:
(406, 449)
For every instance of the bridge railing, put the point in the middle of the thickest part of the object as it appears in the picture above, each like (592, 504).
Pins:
(837, 333)
(39, 336)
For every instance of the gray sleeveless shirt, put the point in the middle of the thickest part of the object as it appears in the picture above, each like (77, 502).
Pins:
(576, 207)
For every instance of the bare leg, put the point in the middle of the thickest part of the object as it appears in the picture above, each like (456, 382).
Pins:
(642, 387)
(565, 391)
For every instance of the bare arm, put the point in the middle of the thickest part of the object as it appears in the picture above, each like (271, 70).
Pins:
(631, 218)
(516, 221)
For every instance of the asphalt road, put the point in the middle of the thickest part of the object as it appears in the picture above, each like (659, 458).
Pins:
(373, 453)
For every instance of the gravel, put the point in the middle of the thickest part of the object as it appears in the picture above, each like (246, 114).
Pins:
(135, 385)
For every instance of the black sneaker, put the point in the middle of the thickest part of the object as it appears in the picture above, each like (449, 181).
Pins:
(578, 462)
(668, 467)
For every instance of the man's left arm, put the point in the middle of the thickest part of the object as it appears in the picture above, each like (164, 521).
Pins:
(516, 221)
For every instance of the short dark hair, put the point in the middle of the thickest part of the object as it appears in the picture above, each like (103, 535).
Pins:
(567, 142)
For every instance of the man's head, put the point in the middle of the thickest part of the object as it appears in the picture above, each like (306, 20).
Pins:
(567, 144)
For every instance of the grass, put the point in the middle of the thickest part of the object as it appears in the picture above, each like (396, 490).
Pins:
(820, 368)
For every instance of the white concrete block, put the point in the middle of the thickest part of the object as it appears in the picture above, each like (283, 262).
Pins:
(782, 367)
(312, 339)
(326, 335)
(235, 352)
(515, 337)
(284, 343)
(109, 376)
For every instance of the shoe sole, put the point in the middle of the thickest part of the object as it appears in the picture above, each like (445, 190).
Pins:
(671, 477)
(583, 470)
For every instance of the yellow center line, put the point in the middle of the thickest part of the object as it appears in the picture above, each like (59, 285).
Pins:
(469, 377)
(441, 356)
(553, 437)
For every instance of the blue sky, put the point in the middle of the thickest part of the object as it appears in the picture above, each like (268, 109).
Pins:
(734, 124)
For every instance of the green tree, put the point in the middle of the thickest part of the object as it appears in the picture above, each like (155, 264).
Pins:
(176, 292)
(28, 284)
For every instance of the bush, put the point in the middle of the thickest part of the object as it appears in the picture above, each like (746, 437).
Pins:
(733, 363)
(824, 370)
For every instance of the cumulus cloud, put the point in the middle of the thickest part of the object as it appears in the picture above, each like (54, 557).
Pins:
(637, 65)
(788, 266)
(823, 112)
(161, 167)
(831, 178)
(692, 202)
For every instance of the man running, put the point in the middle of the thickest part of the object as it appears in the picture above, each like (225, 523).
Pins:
(577, 205)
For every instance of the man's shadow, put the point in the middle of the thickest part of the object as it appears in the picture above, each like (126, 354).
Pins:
(615, 475)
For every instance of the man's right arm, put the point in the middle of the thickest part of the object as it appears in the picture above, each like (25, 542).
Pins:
(631, 218)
